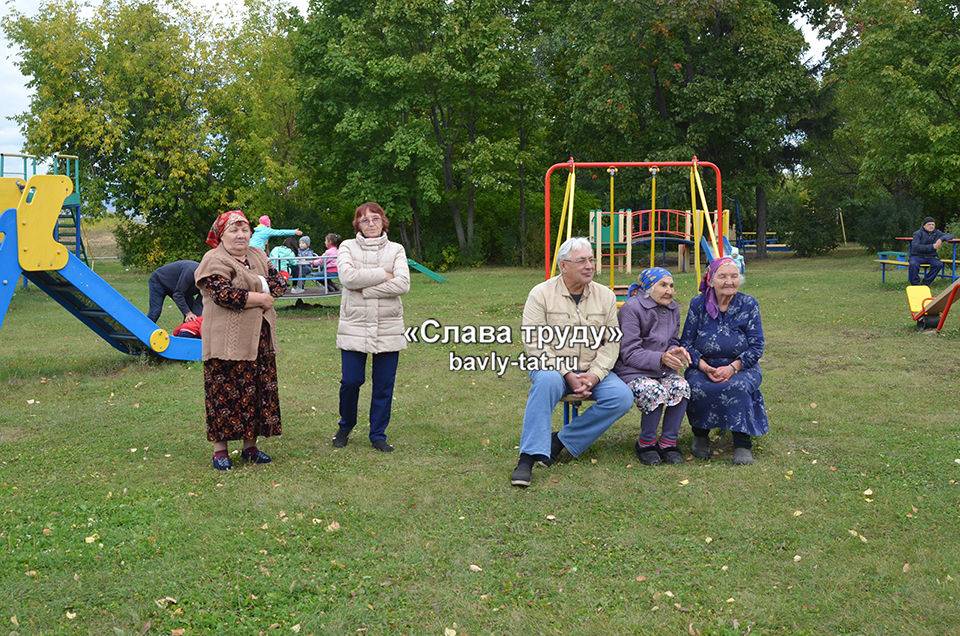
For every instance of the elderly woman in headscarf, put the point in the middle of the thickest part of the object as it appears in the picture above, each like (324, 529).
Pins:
(239, 340)
(649, 362)
(724, 337)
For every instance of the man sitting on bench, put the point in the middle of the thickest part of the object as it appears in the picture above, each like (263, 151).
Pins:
(923, 249)
(571, 303)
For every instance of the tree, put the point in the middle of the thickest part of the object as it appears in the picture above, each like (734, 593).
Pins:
(414, 103)
(669, 80)
(174, 117)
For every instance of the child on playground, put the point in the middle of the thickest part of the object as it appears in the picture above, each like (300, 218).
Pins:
(302, 269)
(284, 257)
(329, 259)
(263, 233)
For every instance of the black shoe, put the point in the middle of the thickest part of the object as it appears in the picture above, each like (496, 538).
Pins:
(382, 446)
(701, 447)
(556, 447)
(647, 454)
(523, 472)
(671, 455)
(340, 439)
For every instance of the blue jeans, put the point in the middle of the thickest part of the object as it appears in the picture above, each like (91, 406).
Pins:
(913, 271)
(613, 400)
(353, 365)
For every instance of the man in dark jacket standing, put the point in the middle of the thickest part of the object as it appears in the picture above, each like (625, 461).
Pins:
(175, 280)
(923, 249)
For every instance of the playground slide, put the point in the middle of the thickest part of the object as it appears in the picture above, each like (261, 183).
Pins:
(727, 250)
(90, 298)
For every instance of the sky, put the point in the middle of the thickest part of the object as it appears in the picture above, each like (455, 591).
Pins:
(16, 96)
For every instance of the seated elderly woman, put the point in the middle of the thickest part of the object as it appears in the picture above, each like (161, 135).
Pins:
(650, 357)
(724, 337)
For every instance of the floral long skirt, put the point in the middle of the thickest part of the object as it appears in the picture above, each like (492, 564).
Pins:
(242, 398)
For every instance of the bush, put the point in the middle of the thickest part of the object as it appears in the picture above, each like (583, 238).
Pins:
(879, 222)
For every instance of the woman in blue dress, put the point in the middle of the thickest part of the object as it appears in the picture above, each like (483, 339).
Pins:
(724, 337)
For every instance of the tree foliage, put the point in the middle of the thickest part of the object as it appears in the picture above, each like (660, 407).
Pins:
(888, 131)
(446, 112)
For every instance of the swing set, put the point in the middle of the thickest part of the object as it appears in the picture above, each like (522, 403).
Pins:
(658, 220)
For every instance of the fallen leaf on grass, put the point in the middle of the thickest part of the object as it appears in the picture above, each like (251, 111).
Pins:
(166, 601)
(551, 518)
(797, 513)
(475, 568)
(176, 632)
(31, 572)
(906, 568)
(708, 539)
(641, 578)
(796, 558)
(333, 526)
(449, 632)
(868, 492)
(71, 615)
(295, 628)
(13, 619)
(684, 482)
(92, 538)
(681, 608)
(730, 600)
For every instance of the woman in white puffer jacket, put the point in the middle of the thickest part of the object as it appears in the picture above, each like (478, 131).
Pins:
(374, 274)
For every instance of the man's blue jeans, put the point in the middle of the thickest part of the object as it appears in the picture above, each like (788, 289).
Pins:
(613, 400)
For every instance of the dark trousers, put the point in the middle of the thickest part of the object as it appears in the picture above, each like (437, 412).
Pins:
(740, 440)
(353, 366)
(913, 271)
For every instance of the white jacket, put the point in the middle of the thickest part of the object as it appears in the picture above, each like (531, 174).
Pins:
(371, 314)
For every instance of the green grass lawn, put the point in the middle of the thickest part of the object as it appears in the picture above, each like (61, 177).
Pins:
(113, 521)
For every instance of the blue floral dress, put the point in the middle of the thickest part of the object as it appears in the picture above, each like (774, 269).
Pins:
(736, 405)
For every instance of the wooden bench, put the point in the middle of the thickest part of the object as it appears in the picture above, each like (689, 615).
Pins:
(571, 407)
(899, 264)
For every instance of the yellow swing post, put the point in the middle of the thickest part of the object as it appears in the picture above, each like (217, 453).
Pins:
(613, 171)
(653, 215)
(697, 229)
(567, 198)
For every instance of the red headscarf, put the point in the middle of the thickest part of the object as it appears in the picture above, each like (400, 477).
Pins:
(220, 225)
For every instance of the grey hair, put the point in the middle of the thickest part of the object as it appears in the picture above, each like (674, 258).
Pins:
(571, 244)
(743, 279)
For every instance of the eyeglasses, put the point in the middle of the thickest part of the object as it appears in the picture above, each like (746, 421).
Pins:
(370, 220)
(582, 261)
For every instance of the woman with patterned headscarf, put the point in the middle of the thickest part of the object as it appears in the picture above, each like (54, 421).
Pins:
(239, 340)
(650, 357)
(724, 337)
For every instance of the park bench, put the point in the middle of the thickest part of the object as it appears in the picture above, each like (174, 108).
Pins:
(898, 264)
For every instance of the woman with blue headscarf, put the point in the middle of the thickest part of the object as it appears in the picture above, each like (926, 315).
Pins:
(724, 336)
(650, 357)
